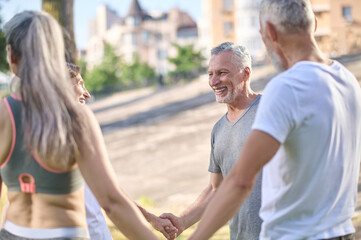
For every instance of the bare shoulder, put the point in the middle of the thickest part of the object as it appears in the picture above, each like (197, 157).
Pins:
(6, 129)
(89, 115)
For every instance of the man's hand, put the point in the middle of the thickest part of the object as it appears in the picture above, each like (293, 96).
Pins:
(164, 226)
(176, 221)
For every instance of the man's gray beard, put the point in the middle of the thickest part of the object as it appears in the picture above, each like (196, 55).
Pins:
(223, 100)
(229, 96)
(276, 61)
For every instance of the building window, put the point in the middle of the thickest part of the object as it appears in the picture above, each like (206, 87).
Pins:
(228, 29)
(129, 39)
(145, 36)
(319, 39)
(347, 13)
(126, 38)
(255, 4)
(134, 39)
(129, 21)
(133, 21)
(227, 5)
(158, 37)
(137, 21)
(162, 54)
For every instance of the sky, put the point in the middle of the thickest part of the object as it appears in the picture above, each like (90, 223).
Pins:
(84, 10)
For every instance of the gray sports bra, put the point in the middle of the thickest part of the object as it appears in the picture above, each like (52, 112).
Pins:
(23, 172)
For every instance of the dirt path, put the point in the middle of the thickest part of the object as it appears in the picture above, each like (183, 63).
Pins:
(159, 141)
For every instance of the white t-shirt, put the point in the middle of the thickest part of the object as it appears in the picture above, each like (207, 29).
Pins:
(98, 229)
(309, 188)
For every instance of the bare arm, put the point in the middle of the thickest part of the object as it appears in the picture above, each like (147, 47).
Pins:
(6, 129)
(119, 208)
(6, 133)
(258, 150)
(194, 212)
(4, 210)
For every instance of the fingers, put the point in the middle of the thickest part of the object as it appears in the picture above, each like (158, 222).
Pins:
(169, 227)
(169, 232)
(165, 226)
(175, 221)
(167, 215)
(172, 218)
(165, 234)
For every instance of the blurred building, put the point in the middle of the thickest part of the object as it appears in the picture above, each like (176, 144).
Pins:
(231, 20)
(338, 26)
(338, 32)
(149, 35)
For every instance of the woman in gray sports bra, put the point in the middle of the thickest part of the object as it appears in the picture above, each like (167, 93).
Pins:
(49, 144)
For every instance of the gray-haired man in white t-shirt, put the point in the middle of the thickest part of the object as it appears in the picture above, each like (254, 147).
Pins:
(306, 137)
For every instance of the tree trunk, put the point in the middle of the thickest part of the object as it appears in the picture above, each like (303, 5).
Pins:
(62, 11)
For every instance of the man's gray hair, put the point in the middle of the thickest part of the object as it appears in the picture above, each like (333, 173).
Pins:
(242, 56)
(288, 16)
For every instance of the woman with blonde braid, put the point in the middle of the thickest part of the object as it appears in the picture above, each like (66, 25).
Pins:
(49, 143)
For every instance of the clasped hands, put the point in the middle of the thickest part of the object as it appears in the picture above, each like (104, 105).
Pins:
(168, 224)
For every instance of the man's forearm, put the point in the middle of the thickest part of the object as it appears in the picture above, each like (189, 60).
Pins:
(238, 184)
(221, 208)
(194, 213)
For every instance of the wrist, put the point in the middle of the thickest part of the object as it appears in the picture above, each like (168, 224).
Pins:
(150, 217)
(147, 215)
(183, 222)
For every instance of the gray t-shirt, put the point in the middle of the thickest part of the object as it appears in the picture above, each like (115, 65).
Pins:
(227, 142)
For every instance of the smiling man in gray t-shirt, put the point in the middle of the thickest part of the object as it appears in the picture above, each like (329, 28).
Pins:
(227, 142)
(229, 77)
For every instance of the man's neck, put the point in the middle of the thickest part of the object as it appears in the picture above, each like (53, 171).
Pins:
(236, 110)
(303, 49)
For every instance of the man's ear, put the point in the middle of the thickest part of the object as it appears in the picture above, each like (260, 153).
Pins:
(315, 23)
(247, 73)
(271, 31)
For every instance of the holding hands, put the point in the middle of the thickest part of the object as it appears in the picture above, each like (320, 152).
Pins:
(176, 221)
(168, 224)
(165, 226)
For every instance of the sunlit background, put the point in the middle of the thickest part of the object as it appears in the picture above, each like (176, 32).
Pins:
(145, 61)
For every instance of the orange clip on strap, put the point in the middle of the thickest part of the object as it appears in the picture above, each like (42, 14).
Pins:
(27, 183)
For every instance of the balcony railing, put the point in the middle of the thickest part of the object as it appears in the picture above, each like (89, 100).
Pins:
(320, 32)
(320, 7)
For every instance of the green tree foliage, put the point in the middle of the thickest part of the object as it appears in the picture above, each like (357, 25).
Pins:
(83, 67)
(106, 74)
(3, 63)
(114, 74)
(63, 12)
(137, 74)
(187, 63)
